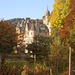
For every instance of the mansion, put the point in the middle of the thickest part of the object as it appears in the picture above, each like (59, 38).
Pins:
(33, 27)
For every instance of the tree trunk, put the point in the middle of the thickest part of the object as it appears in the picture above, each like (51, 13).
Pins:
(51, 71)
(57, 70)
(34, 64)
(70, 61)
(3, 59)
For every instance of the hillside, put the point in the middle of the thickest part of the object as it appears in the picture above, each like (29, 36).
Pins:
(15, 20)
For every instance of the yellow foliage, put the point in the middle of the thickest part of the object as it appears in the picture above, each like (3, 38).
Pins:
(60, 12)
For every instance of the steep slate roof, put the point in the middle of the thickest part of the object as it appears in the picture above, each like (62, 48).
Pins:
(43, 28)
(32, 25)
(47, 12)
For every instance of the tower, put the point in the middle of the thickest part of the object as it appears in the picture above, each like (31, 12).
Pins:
(37, 26)
(46, 20)
(46, 17)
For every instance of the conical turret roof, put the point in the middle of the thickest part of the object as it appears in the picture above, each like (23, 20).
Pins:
(47, 12)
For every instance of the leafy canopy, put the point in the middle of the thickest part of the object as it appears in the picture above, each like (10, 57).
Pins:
(59, 13)
(8, 37)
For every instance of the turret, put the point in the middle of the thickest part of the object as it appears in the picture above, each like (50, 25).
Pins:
(37, 26)
(26, 28)
(17, 29)
(46, 17)
(27, 20)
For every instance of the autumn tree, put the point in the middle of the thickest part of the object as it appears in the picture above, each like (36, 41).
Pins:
(59, 13)
(62, 18)
(67, 32)
(59, 50)
(8, 39)
(58, 56)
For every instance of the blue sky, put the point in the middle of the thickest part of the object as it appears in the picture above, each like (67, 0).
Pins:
(10, 9)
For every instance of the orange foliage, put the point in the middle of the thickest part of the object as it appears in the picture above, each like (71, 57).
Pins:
(69, 22)
(8, 37)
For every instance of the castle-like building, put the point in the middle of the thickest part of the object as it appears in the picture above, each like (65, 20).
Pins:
(33, 27)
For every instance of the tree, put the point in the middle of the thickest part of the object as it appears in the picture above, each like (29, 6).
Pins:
(40, 47)
(58, 20)
(57, 17)
(58, 56)
(40, 50)
(59, 13)
(67, 32)
(8, 39)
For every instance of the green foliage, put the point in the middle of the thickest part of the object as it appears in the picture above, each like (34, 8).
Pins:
(10, 67)
(58, 55)
(23, 67)
(40, 47)
(15, 20)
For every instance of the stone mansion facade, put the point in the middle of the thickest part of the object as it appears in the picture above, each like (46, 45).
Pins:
(33, 27)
